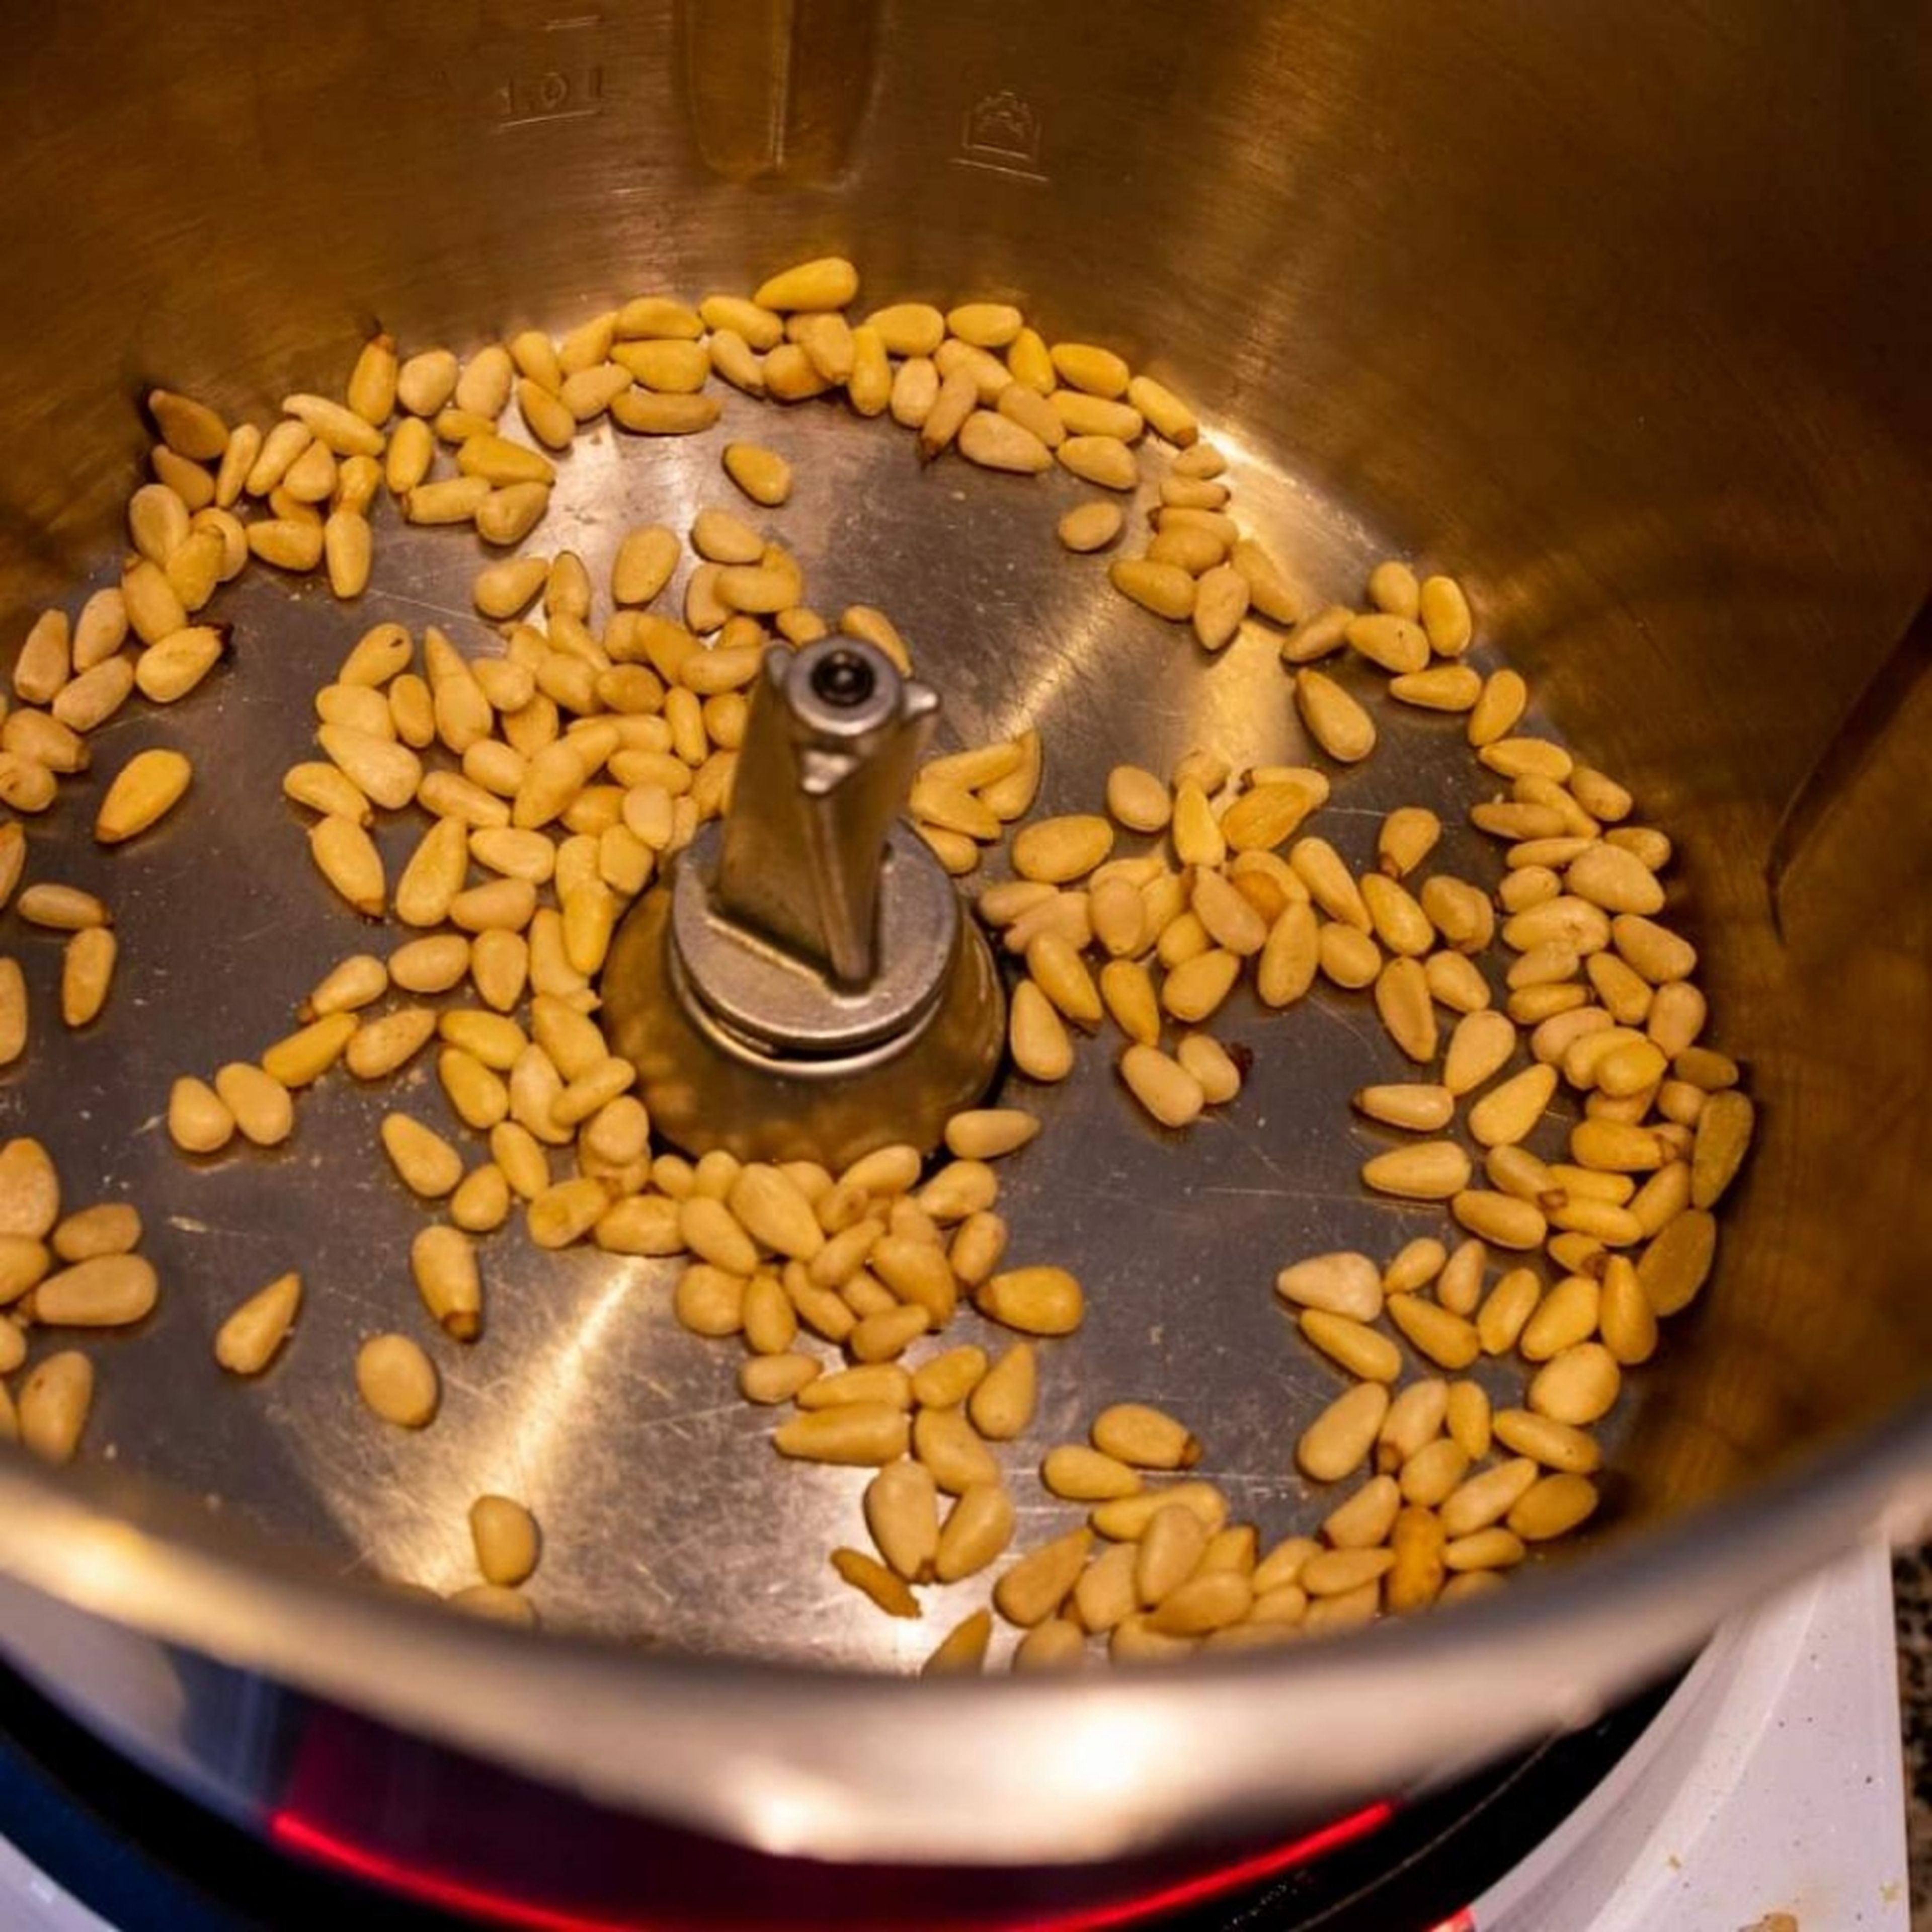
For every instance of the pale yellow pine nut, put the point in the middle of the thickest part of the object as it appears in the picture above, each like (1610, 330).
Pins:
(1430, 1171)
(1168, 1091)
(1416, 1265)
(978, 1248)
(1414, 1420)
(260, 1103)
(1458, 1287)
(1077, 1474)
(397, 1381)
(976, 1531)
(944, 1441)
(1492, 1548)
(961, 1188)
(1508, 1111)
(1342, 1283)
(1041, 1047)
(1334, 718)
(1194, 990)
(1001, 1403)
(771, 1322)
(1580, 1386)
(1105, 1595)
(1125, 1519)
(946, 1381)
(54, 1402)
(199, 1120)
(1566, 1315)
(768, 1380)
(916, 1271)
(1212, 1066)
(1145, 1438)
(426, 1163)
(1398, 921)
(707, 1300)
(1449, 1340)
(1289, 957)
(1487, 1497)
(887, 1332)
(1170, 1551)
(481, 1203)
(1363, 1351)
(108, 1291)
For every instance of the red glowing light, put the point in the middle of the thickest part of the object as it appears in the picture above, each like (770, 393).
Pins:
(1464, 1921)
(294, 1833)
(1227, 1878)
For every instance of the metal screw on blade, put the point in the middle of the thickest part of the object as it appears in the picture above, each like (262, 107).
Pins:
(806, 984)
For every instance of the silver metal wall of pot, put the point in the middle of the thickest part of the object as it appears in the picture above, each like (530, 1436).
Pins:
(1623, 313)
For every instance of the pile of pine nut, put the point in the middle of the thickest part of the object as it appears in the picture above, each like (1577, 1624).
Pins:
(559, 772)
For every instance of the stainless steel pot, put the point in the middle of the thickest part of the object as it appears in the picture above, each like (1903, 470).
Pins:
(1622, 317)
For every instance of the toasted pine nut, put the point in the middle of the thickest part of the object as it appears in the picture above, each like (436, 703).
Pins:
(1675, 1265)
(1171, 1546)
(1486, 1497)
(1724, 1128)
(1579, 1386)
(1553, 1507)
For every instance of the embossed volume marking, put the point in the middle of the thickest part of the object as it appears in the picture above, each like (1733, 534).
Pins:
(1002, 133)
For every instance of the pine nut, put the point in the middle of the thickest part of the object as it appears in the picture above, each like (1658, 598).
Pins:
(108, 1291)
(1724, 1128)
(428, 1165)
(1507, 1310)
(1001, 1403)
(1449, 1340)
(1090, 526)
(1041, 1049)
(397, 1381)
(1420, 1109)
(1553, 1507)
(946, 1381)
(1678, 1262)
(768, 1380)
(1340, 1440)
(54, 1402)
(1492, 1548)
(1430, 1171)
(1333, 717)
(1194, 990)
(1580, 1386)
(1079, 1474)
(259, 1103)
(1361, 1350)
(1486, 1497)
(147, 788)
(87, 974)
(1414, 1420)
(505, 1536)
(247, 1342)
(1418, 1263)
(963, 1648)
(1163, 1086)
(481, 1203)
(1342, 1283)
(1164, 588)
(945, 1441)
(978, 1248)
(1556, 1445)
